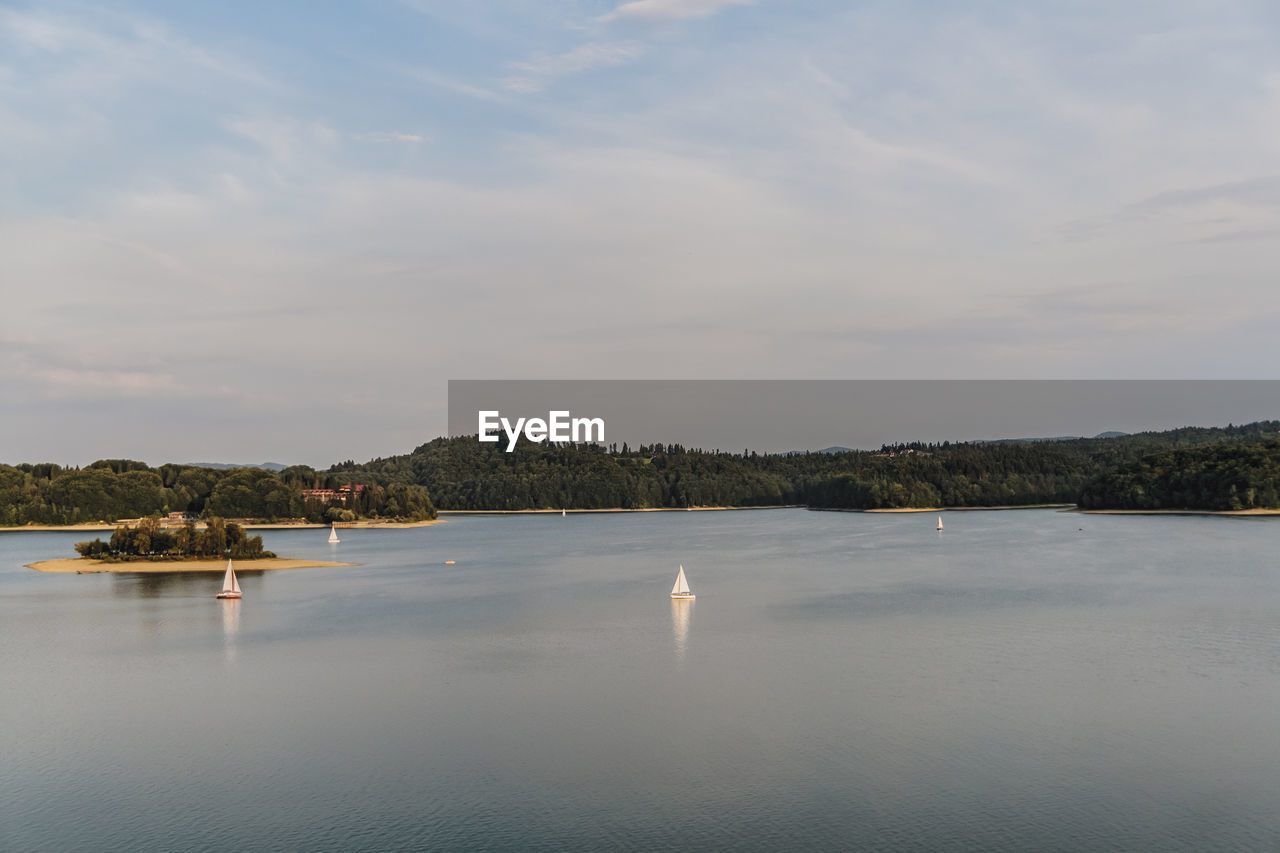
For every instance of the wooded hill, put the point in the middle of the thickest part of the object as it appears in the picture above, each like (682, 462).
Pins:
(1212, 468)
(464, 474)
(111, 489)
(1214, 477)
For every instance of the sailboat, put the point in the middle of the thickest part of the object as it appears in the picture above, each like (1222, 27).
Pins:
(681, 588)
(562, 513)
(939, 522)
(230, 589)
(333, 534)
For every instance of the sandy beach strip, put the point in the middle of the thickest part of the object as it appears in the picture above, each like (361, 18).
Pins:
(62, 528)
(343, 525)
(82, 566)
(614, 509)
(200, 525)
(946, 508)
(1227, 512)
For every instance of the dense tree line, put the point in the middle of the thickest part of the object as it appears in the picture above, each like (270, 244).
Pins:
(473, 475)
(462, 473)
(148, 540)
(111, 489)
(1213, 477)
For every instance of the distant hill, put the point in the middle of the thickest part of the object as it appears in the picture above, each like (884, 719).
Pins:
(222, 466)
(1107, 434)
(1233, 467)
(835, 448)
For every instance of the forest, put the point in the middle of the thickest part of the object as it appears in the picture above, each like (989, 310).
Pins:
(1211, 468)
(1213, 477)
(112, 489)
(464, 474)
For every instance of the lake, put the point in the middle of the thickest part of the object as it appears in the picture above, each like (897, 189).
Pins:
(842, 681)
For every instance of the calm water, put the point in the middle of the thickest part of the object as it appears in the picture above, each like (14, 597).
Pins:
(843, 681)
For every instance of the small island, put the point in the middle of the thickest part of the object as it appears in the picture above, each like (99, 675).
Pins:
(150, 547)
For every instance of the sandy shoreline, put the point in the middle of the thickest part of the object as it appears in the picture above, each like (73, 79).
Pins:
(63, 528)
(349, 525)
(79, 565)
(584, 511)
(1066, 508)
(946, 508)
(1229, 512)
(341, 525)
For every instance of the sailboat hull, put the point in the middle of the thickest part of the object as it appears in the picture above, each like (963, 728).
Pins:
(228, 595)
(683, 596)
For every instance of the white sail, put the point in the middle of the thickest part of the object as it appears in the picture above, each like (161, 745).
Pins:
(682, 586)
(333, 534)
(939, 522)
(229, 584)
(562, 513)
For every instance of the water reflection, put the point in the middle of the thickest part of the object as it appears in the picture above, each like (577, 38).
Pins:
(160, 584)
(171, 584)
(681, 611)
(230, 627)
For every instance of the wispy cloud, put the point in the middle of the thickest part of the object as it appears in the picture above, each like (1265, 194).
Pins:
(391, 136)
(1254, 192)
(289, 143)
(1230, 212)
(657, 10)
(126, 46)
(66, 381)
(539, 70)
(61, 373)
(437, 80)
(1248, 236)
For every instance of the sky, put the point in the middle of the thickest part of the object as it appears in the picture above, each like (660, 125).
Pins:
(246, 232)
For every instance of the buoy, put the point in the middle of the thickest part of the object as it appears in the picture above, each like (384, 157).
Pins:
(449, 562)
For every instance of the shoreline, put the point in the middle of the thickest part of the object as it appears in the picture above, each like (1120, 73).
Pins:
(406, 525)
(1245, 513)
(341, 525)
(568, 511)
(345, 525)
(83, 566)
(1059, 507)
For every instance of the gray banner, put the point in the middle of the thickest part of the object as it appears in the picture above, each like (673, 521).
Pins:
(789, 415)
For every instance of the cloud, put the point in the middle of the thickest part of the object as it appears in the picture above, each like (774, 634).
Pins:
(63, 373)
(1254, 192)
(659, 10)
(449, 84)
(1231, 212)
(540, 69)
(391, 136)
(68, 382)
(123, 47)
(1242, 236)
(290, 144)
